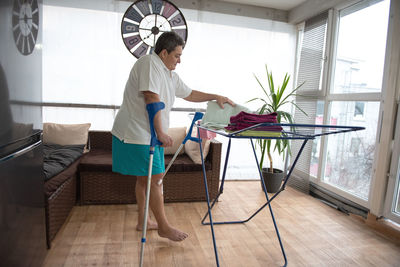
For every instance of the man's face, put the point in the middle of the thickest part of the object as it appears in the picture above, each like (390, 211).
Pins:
(172, 59)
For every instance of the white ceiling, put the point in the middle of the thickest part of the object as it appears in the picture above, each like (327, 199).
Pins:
(277, 4)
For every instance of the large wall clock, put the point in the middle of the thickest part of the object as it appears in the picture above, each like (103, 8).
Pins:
(145, 20)
(25, 23)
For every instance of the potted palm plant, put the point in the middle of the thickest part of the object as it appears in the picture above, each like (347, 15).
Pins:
(273, 100)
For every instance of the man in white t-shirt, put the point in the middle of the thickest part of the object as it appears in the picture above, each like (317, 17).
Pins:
(152, 80)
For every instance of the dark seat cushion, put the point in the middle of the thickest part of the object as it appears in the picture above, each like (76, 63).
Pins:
(183, 163)
(51, 185)
(101, 160)
(96, 160)
(57, 158)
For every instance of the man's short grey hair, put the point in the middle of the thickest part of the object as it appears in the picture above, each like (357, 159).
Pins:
(168, 41)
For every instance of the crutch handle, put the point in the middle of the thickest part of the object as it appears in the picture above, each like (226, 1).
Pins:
(152, 110)
(197, 116)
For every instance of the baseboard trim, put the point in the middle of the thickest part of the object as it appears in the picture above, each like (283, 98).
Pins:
(384, 227)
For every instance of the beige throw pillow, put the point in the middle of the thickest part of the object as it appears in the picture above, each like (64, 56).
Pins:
(192, 148)
(65, 134)
(177, 135)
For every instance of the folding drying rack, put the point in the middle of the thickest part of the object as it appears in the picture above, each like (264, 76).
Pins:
(303, 132)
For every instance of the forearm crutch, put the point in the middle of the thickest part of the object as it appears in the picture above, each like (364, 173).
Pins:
(152, 109)
(197, 116)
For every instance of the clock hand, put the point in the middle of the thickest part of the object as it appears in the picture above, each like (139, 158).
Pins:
(163, 23)
(148, 36)
(146, 19)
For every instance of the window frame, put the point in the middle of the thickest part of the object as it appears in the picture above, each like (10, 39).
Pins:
(329, 97)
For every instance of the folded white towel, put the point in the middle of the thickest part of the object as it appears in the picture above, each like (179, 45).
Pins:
(216, 117)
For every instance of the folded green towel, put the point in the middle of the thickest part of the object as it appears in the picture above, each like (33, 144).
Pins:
(217, 117)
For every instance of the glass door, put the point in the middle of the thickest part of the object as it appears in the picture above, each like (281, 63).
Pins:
(349, 157)
(353, 98)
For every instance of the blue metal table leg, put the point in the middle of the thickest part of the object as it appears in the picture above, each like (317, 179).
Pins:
(262, 207)
(262, 181)
(269, 205)
(280, 190)
(208, 204)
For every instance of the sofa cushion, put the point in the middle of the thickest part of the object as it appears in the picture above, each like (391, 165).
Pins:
(101, 160)
(51, 186)
(56, 158)
(183, 163)
(192, 148)
(177, 134)
(96, 160)
(65, 134)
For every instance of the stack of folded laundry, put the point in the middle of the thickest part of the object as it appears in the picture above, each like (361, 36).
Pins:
(244, 120)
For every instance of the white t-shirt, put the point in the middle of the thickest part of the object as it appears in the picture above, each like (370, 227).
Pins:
(148, 74)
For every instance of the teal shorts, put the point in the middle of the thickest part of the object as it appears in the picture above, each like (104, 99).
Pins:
(133, 159)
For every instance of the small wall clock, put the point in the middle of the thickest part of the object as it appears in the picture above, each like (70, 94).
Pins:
(145, 20)
(25, 23)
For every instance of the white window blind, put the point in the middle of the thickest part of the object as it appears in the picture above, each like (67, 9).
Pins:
(309, 72)
(312, 53)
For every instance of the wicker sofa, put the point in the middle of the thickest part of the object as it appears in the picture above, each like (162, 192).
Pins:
(183, 182)
(60, 196)
(90, 180)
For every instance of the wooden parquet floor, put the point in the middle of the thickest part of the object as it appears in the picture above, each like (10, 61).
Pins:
(313, 234)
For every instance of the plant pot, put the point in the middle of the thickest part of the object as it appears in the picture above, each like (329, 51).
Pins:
(273, 180)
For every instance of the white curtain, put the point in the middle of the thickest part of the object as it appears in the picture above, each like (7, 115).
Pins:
(85, 61)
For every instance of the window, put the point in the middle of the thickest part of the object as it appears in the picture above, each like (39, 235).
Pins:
(345, 90)
(360, 52)
(349, 156)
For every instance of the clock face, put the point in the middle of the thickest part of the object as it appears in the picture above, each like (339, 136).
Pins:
(145, 20)
(25, 23)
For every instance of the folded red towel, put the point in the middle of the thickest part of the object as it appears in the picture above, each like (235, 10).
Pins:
(241, 116)
(244, 120)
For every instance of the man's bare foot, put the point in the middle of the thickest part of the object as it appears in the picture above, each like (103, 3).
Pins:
(151, 225)
(172, 234)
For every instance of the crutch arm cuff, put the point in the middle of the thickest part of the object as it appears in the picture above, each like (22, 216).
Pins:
(152, 109)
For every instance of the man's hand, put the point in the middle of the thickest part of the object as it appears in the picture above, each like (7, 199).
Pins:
(221, 100)
(197, 96)
(165, 139)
